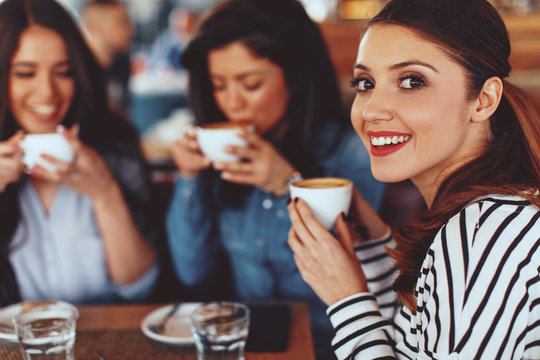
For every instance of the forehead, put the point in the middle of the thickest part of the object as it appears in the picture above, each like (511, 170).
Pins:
(391, 44)
(38, 43)
(236, 57)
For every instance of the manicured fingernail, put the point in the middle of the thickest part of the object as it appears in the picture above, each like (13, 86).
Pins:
(218, 165)
(60, 128)
(289, 201)
(296, 200)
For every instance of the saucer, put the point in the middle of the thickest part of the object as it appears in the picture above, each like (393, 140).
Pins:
(178, 327)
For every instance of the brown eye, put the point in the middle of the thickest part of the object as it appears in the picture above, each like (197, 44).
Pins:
(411, 82)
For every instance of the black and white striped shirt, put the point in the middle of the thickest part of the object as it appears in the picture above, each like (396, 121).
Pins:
(478, 295)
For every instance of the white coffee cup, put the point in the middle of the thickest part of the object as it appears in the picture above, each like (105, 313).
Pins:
(214, 137)
(327, 197)
(53, 144)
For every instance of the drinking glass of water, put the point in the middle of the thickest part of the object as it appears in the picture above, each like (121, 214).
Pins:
(220, 330)
(47, 332)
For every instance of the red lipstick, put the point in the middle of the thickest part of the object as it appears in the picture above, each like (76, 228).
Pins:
(386, 149)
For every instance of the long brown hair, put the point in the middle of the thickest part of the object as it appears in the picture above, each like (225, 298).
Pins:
(473, 34)
(98, 127)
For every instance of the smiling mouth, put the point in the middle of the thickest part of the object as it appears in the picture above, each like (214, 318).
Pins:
(380, 142)
(43, 109)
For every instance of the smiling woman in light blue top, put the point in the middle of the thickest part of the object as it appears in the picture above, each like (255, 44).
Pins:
(262, 63)
(79, 233)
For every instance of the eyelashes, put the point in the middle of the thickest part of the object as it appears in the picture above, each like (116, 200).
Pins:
(407, 82)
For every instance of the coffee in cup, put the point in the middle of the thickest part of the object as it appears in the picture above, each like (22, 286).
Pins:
(53, 144)
(213, 138)
(327, 197)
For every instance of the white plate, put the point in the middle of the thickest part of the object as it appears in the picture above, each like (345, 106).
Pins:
(177, 328)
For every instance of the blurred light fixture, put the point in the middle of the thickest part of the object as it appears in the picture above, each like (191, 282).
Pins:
(359, 9)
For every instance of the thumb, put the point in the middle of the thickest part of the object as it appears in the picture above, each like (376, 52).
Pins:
(16, 138)
(344, 235)
(71, 135)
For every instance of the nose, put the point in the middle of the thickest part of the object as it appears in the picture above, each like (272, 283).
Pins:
(46, 87)
(378, 106)
(234, 100)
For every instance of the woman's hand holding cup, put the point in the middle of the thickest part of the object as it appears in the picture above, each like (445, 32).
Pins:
(88, 174)
(11, 165)
(187, 154)
(262, 166)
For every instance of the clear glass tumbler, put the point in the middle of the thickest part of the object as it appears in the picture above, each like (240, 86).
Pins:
(47, 332)
(220, 330)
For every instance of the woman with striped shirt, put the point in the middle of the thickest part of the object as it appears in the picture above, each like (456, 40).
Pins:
(463, 280)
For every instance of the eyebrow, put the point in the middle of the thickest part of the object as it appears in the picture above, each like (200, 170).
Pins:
(31, 63)
(244, 75)
(401, 65)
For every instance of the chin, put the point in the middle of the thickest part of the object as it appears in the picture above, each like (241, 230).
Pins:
(386, 175)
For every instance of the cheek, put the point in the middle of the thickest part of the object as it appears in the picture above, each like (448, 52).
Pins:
(356, 115)
(16, 92)
(271, 104)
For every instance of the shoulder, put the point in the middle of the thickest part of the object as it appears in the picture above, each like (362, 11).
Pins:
(490, 230)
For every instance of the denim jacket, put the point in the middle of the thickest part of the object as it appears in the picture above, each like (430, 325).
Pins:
(255, 235)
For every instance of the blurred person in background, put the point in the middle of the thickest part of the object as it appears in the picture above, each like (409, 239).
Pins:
(262, 63)
(166, 50)
(109, 33)
(80, 233)
(462, 280)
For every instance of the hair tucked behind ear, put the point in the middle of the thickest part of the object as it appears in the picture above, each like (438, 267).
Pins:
(511, 161)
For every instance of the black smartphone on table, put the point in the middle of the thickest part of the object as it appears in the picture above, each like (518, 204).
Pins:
(269, 327)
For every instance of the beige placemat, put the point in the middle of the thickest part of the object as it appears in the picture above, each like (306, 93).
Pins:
(114, 345)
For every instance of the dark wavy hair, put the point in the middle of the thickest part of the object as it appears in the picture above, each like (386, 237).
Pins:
(473, 34)
(281, 31)
(98, 128)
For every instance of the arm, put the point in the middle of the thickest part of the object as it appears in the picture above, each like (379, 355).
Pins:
(330, 267)
(129, 255)
(11, 166)
(193, 243)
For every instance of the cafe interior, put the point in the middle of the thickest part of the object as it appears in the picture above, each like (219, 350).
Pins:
(157, 106)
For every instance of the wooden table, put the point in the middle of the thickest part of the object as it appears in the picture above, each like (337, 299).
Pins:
(118, 317)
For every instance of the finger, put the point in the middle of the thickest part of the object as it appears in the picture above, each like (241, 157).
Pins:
(344, 235)
(61, 166)
(237, 167)
(300, 228)
(376, 227)
(11, 147)
(71, 135)
(8, 149)
(310, 220)
(191, 132)
(42, 173)
(253, 139)
(243, 152)
(245, 179)
(294, 242)
(17, 137)
(10, 165)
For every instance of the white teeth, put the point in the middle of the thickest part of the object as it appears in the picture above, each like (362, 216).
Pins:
(387, 140)
(43, 109)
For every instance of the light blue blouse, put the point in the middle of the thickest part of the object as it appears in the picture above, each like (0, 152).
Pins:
(255, 235)
(61, 256)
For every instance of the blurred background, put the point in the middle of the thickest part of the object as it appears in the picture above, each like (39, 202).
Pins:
(156, 82)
